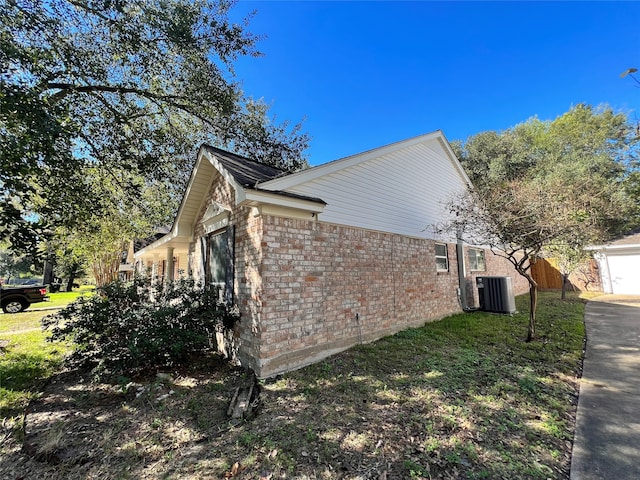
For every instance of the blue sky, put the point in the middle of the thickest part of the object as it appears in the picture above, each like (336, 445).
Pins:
(366, 74)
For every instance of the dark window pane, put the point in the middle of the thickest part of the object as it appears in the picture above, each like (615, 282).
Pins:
(218, 258)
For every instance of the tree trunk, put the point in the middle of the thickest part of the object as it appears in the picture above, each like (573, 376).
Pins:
(105, 268)
(533, 303)
(565, 277)
(72, 277)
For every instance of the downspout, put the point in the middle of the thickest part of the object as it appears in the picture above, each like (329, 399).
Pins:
(462, 284)
(461, 280)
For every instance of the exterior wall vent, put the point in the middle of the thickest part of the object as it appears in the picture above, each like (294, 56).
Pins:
(496, 294)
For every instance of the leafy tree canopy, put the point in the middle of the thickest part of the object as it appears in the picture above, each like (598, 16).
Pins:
(555, 184)
(129, 88)
(579, 169)
(13, 266)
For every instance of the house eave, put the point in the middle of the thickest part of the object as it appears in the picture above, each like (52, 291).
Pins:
(257, 198)
(169, 240)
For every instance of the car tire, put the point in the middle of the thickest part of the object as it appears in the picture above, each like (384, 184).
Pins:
(14, 306)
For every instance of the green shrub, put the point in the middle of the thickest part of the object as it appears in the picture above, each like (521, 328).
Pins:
(130, 327)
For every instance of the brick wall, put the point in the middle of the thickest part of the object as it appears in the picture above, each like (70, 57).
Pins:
(327, 287)
(245, 342)
(248, 284)
(308, 289)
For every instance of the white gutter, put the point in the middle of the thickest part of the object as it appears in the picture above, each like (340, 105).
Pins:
(616, 248)
(160, 242)
(254, 197)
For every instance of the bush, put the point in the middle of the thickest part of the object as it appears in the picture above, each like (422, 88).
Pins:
(130, 327)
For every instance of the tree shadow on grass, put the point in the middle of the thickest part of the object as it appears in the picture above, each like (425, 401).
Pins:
(435, 402)
(22, 376)
(81, 429)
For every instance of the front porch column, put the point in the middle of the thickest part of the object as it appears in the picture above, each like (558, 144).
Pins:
(190, 256)
(154, 270)
(169, 273)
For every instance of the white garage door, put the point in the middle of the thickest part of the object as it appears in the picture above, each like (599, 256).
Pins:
(625, 273)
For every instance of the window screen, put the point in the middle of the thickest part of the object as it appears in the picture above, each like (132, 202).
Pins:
(476, 259)
(442, 261)
(218, 254)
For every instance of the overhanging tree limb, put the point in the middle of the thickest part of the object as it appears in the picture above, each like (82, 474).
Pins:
(131, 86)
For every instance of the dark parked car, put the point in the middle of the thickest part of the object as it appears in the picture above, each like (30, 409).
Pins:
(17, 299)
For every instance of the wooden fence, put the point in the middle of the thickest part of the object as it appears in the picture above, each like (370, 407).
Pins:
(586, 278)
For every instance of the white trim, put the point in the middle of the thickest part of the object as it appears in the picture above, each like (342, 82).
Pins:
(253, 197)
(445, 256)
(171, 237)
(157, 244)
(182, 229)
(484, 259)
(278, 211)
(216, 222)
(616, 248)
(187, 192)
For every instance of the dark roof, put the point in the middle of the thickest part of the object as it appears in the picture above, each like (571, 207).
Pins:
(245, 171)
(140, 243)
(631, 238)
(250, 173)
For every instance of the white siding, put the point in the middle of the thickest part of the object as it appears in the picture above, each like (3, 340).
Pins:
(403, 191)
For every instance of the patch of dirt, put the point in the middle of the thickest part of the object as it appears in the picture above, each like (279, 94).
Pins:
(175, 425)
(80, 429)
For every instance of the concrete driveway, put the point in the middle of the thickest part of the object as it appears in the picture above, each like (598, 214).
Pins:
(607, 437)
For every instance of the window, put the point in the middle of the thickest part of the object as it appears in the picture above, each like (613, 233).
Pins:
(219, 261)
(476, 260)
(442, 261)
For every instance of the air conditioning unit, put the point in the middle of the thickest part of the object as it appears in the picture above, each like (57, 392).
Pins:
(496, 294)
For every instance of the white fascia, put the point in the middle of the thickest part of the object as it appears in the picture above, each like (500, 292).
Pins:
(614, 248)
(258, 197)
(152, 246)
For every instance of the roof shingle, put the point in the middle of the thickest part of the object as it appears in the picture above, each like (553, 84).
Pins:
(245, 171)
(249, 173)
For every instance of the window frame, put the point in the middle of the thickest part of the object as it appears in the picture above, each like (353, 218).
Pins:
(220, 238)
(440, 257)
(227, 235)
(473, 262)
